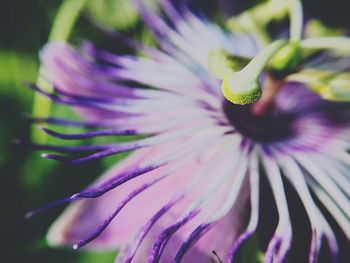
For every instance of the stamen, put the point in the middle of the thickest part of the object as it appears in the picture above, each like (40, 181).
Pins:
(296, 20)
(329, 85)
(243, 87)
(273, 9)
(247, 22)
(255, 19)
(335, 43)
(222, 63)
(339, 88)
(316, 28)
(286, 59)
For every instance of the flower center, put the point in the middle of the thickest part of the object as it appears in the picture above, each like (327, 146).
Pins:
(274, 125)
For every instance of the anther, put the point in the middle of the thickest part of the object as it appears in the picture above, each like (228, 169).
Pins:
(243, 87)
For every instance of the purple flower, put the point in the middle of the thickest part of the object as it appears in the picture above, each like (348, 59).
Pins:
(193, 177)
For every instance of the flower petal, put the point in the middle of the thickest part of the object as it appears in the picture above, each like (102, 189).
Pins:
(84, 216)
(218, 239)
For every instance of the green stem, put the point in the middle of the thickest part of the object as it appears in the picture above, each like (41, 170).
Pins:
(62, 27)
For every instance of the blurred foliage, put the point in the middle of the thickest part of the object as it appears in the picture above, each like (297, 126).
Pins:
(27, 180)
(118, 14)
(15, 69)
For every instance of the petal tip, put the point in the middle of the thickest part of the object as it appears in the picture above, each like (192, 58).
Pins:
(55, 237)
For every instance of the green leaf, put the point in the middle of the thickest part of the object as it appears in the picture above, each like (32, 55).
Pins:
(119, 14)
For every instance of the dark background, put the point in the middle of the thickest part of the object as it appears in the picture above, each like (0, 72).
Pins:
(28, 181)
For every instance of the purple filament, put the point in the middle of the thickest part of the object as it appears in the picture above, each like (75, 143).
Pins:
(91, 134)
(194, 236)
(120, 206)
(166, 234)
